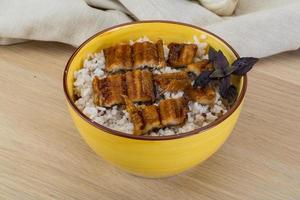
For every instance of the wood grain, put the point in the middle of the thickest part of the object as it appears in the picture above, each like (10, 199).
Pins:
(42, 156)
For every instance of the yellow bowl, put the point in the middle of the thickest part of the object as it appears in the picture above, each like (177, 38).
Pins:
(145, 155)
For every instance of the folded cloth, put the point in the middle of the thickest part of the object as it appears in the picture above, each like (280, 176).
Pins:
(262, 33)
(67, 21)
(259, 28)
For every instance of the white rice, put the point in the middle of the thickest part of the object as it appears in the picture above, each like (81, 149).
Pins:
(165, 70)
(118, 119)
(201, 47)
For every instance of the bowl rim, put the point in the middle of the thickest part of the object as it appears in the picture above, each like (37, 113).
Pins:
(200, 130)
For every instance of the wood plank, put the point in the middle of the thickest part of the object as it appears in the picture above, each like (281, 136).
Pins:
(43, 157)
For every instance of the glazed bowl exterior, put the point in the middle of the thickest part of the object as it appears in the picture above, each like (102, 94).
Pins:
(150, 156)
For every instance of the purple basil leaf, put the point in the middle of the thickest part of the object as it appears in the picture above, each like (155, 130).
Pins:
(217, 73)
(224, 84)
(227, 71)
(221, 66)
(212, 54)
(203, 79)
(220, 73)
(222, 62)
(231, 94)
(243, 65)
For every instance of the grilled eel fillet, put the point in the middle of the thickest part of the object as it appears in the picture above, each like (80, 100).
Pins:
(205, 95)
(140, 54)
(199, 67)
(118, 58)
(140, 85)
(148, 54)
(181, 55)
(172, 82)
(137, 84)
(108, 91)
(146, 118)
(173, 111)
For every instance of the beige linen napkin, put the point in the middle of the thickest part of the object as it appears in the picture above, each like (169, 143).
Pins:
(258, 28)
(68, 21)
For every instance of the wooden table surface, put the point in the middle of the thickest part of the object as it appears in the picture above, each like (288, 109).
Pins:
(42, 156)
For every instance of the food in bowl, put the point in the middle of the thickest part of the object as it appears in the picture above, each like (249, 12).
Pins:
(161, 156)
(146, 87)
